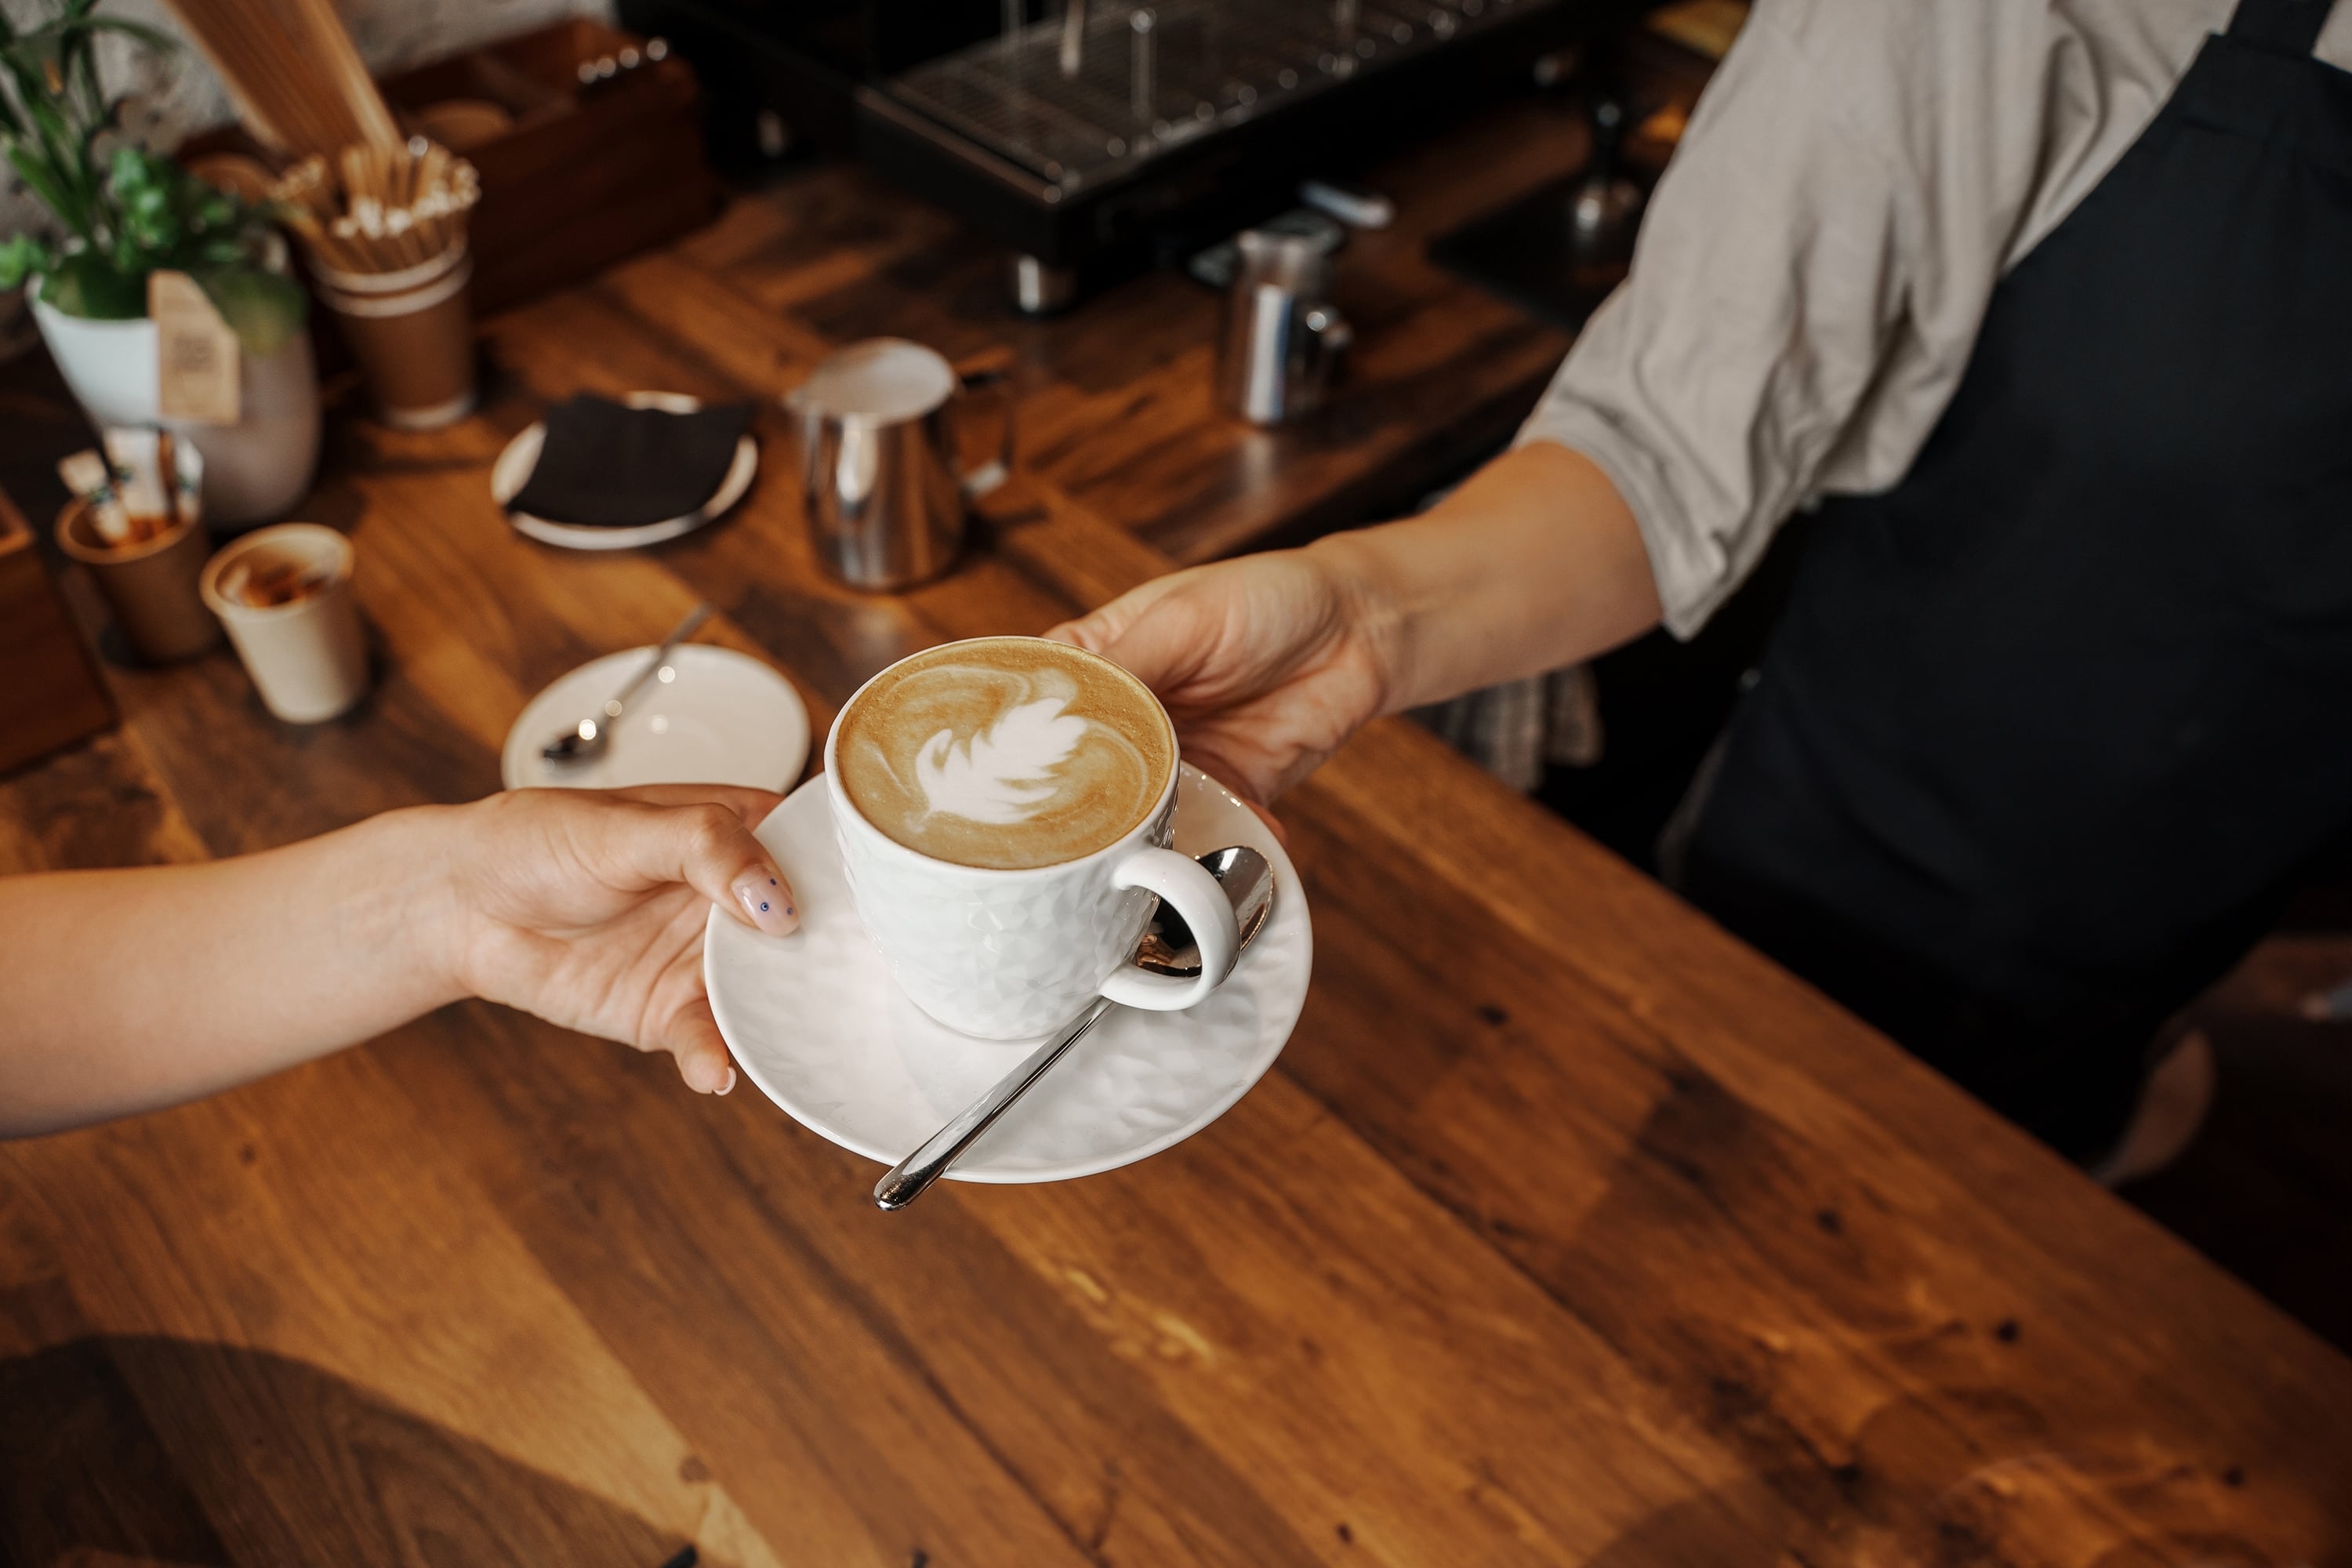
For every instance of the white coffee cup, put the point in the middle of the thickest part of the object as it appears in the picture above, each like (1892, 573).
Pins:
(308, 657)
(1005, 955)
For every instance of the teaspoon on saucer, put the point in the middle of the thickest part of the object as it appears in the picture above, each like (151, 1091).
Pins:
(1248, 882)
(586, 740)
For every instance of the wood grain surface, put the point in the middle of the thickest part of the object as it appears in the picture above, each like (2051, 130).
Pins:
(50, 695)
(1566, 1229)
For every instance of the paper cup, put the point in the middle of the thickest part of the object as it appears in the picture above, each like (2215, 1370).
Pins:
(151, 587)
(412, 334)
(307, 657)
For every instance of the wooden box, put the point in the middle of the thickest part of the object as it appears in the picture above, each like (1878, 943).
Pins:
(50, 694)
(576, 177)
(584, 176)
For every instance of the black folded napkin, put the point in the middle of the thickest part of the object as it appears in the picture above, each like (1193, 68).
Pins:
(607, 465)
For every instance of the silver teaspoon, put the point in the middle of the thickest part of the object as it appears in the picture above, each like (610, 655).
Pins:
(1168, 949)
(586, 741)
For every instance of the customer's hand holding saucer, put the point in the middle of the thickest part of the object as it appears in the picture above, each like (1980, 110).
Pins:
(589, 908)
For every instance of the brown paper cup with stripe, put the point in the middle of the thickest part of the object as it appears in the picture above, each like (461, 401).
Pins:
(151, 586)
(412, 334)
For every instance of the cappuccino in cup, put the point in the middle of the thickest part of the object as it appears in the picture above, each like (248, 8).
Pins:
(1005, 752)
(1004, 807)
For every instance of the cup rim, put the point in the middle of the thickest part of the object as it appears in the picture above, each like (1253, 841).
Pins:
(406, 277)
(39, 306)
(396, 304)
(208, 580)
(797, 400)
(89, 555)
(846, 809)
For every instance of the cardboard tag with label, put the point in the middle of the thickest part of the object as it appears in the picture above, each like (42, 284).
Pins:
(195, 352)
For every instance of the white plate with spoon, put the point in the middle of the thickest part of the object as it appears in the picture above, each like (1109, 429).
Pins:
(815, 1022)
(678, 714)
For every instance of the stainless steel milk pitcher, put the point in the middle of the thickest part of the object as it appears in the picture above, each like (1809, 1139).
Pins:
(880, 475)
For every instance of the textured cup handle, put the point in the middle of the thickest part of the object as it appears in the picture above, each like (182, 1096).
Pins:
(1184, 885)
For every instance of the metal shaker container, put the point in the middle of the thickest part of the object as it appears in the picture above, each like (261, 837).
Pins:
(1283, 338)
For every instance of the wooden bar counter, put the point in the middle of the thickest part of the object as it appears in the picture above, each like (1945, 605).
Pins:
(1566, 1230)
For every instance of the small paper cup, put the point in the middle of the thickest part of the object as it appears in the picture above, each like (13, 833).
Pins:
(307, 657)
(151, 587)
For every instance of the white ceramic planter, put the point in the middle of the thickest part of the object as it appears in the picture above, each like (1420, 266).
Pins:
(256, 470)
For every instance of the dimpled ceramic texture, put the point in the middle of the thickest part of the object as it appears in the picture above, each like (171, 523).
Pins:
(998, 954)
(816, 1025)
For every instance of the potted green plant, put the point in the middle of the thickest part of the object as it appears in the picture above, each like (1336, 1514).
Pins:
(126, 213)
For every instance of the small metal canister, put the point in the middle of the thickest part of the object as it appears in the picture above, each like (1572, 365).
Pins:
(1282, 337)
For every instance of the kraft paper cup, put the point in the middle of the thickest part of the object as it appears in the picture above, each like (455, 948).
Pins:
(413, 333)
(308, 658)
(151, 587)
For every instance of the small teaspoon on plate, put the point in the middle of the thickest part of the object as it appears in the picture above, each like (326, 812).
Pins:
(586, 740)
(1247, 879)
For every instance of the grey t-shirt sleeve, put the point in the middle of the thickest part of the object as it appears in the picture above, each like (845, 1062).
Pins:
(1768, 277)
(1815, 264)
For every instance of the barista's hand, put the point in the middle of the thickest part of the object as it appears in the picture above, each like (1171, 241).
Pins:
(587, 908)
(1266, 663)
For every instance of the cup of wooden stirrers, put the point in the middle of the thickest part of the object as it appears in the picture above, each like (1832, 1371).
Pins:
(384, 229)
(136, 526)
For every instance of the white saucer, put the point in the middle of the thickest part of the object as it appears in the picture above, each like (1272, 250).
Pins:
(814, 1021)
(726, 719)
(512, 471)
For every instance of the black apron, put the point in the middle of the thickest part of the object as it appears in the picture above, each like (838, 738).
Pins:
(2048, 730)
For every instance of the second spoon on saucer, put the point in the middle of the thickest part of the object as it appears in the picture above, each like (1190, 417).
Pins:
(1247, 879)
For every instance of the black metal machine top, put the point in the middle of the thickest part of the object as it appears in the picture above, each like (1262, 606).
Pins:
(1096, 94)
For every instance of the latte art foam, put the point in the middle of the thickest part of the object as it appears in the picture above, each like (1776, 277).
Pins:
(1006, 753)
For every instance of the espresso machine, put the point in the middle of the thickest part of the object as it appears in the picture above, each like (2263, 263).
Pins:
(1091, 136)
